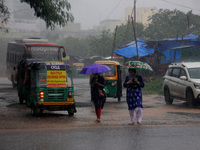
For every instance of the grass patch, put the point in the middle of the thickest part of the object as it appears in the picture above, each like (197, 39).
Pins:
(153, 87)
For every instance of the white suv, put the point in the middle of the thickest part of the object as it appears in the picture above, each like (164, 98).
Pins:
(182, 81)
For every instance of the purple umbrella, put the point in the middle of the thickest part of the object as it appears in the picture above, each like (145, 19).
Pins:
(94, 68)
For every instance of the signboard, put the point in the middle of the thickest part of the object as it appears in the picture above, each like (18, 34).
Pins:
(44, 48)
(56, 75)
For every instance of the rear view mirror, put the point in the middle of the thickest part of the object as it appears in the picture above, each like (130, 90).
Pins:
(62, 49)
(64, 54)
(183, 78)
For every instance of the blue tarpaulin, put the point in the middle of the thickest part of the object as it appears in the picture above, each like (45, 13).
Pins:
(129, 50)
(166, 46)
(170, 56)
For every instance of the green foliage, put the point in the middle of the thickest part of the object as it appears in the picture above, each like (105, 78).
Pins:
(101, 45)
(75, 46)
(153, 87)
(4, 15)
(126, 35)
(94, 45)
(164, 24)
(51, 11)
(167, 24)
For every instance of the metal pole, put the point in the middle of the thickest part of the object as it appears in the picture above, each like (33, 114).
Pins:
(114, 42)
(135, 38)
(134, 30)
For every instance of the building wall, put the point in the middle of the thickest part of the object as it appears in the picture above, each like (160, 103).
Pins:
(142, 14)
(109, 25)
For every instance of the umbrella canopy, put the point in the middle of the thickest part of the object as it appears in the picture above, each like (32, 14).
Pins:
(137, 65)
(94, 68)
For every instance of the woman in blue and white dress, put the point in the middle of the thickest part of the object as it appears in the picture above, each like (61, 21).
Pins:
(134, 83)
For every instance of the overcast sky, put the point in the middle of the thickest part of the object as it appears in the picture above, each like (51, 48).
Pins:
(90, 12)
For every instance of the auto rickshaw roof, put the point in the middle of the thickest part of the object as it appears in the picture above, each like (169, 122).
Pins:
(107, 62)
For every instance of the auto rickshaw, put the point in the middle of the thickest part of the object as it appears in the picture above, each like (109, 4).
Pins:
(77, 67)
(113, 79)
(48, 86)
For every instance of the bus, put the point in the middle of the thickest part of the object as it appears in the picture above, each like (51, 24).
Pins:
(24, 49)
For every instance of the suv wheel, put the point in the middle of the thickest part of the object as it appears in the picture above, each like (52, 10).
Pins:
(190, 97)
(167, 95)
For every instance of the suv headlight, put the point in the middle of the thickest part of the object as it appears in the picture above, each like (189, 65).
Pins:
(197, 86)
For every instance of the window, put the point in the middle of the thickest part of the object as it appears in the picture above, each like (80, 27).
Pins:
(169, 71)
(110, 73)
(176, 72)
(183, 73)
(194, 73)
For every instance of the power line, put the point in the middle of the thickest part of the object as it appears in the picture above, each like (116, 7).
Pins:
(180, 5)
(113, 9)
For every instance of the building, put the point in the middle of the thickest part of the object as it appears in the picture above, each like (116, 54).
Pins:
(142, 14)
(109, 24)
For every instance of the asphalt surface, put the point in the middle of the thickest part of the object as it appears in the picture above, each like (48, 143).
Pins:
(164, 126)
(126, 138)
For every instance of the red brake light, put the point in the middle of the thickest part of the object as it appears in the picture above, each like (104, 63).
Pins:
(41, 94)
(70, 94)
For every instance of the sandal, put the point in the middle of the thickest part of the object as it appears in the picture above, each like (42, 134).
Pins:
(131, 123)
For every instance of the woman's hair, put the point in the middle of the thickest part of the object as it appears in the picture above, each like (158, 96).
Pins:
(132, 70)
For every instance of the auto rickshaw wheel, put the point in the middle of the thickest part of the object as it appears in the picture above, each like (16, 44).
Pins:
(36, 111)
(70, 114)
(119, 98)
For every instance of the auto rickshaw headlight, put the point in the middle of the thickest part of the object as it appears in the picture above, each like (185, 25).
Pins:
(41, 94)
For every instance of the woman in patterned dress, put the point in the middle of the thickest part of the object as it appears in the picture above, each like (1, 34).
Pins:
(133, 83)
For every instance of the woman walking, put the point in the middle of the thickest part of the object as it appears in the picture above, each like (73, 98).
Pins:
(98, 95)
(133, 83)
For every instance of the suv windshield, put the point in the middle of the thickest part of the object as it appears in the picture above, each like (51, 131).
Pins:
(194, 73)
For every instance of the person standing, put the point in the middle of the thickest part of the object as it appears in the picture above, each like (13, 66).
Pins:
(133, 83)
(98, 94)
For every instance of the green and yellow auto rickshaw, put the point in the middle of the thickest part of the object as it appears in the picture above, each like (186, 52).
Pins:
(77, 67)
(48, 86)
(113, 79)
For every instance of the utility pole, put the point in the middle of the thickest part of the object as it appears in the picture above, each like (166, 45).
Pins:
(134, 30)
(114, 42)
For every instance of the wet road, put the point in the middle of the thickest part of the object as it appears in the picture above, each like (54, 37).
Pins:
(126, 138)
(164, 126)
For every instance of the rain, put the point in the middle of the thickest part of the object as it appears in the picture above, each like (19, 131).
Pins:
(85, 74)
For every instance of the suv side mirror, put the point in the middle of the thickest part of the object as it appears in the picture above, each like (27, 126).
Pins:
(183, 78)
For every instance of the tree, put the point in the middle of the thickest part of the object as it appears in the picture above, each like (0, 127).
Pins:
(53, 12)
(4, 15)
(123, 39)
(167, 24)
(101, 45)
(76, 46)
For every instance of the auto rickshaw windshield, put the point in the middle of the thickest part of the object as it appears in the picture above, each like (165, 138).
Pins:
(110, 73)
